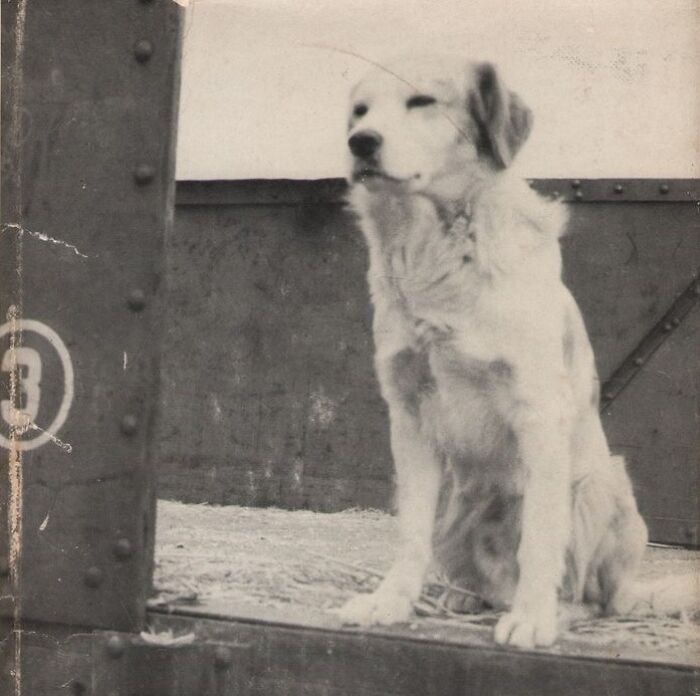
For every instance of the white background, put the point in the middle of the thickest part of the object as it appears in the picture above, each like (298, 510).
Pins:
(613, 83)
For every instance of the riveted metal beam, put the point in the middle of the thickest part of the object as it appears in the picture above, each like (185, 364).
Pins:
(334, 191)
(653, 340)
(88, 190)
(620, 190)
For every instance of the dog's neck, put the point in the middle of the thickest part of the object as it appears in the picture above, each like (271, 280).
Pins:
(453, 214)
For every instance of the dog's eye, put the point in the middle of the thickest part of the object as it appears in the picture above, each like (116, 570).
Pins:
(360, 110)
(420, 100)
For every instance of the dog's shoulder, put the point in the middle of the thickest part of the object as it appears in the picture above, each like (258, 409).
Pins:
(518, 230)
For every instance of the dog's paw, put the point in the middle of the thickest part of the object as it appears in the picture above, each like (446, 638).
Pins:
(381, 607)
(527, 629)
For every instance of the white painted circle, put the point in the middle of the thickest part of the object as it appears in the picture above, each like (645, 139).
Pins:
(68, 378)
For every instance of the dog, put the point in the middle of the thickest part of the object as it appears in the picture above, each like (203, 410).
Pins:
(503, 473)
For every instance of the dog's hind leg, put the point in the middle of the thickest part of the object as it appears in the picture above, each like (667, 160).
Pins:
(609, 537)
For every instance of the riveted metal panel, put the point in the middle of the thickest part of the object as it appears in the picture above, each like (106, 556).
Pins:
(653, 421)
(129, 664)
(282, 377)
(626, 263)
(268, 390)
(87, 196)
(289, 660)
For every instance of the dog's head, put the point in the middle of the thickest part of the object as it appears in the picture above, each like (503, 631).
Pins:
(422, 125)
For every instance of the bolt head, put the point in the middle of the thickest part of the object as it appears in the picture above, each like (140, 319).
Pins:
(129, 424)
(576, 183)
(143, 50)
(618, 188)
(136, 300)
(93, 577)
(123, 549)
(578, 196)
(115, 646)
(639, 362)
(664, 189)
(144, 174)
(667, 326)
(222, 658)
(608, 395)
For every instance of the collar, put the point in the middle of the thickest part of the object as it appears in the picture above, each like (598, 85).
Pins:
(458, 224)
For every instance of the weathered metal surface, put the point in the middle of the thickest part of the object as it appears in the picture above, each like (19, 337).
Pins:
(269, 338)
(260, 656)
(58, 660)
(654, 423)
(268, 389)
(124, 664)
(53, 660)
(657, 336)
(288, 660)
(81, 249)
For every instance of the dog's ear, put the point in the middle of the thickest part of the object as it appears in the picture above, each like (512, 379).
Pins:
(503, 119)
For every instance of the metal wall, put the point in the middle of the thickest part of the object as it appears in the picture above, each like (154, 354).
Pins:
(268, 395)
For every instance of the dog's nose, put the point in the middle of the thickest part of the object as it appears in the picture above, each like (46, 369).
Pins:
(365, 143)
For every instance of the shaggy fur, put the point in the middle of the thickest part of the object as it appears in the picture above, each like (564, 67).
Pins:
(503, 472)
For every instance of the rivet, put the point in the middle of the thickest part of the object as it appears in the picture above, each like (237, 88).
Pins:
(136, 300)
(578, 196)
(143, 50)
(576, 183)
(667, 326)
(663, 188)
(129, 424)
(608, 395)
(676, 321)
(222, 658)
(639, 361)
(93, 577)
(618, 188)
(115, 646)
(143, 174)
(123, 549)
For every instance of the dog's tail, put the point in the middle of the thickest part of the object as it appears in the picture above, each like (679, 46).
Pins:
(671, 595)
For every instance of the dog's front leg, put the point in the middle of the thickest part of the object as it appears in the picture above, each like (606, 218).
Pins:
(418, 476)
(542, 428)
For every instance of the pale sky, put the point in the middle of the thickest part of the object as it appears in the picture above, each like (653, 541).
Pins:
(613, 83)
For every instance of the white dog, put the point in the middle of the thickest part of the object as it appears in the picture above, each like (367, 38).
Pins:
(503, 471)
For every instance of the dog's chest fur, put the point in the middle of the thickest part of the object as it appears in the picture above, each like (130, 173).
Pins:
(420, 264)
(426, 282)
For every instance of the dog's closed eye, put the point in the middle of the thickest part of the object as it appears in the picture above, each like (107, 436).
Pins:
(419, 100)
